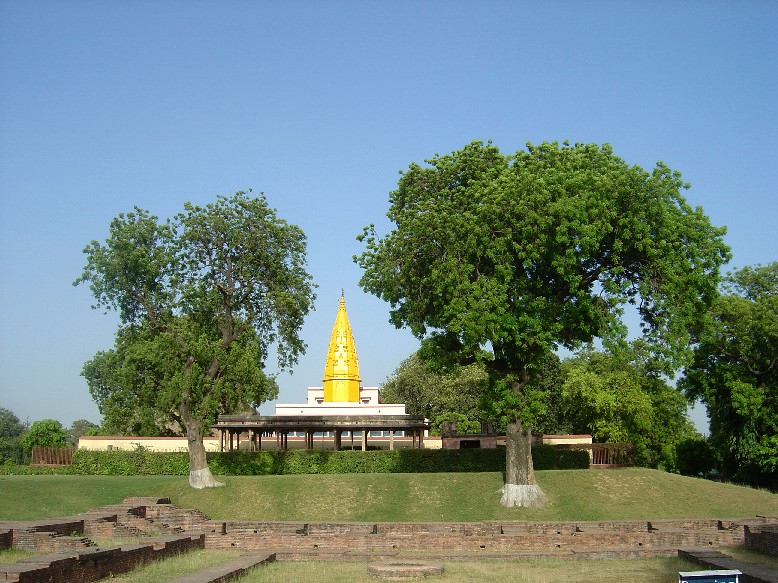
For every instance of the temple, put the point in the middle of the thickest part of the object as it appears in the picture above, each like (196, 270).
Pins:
(342, 392)
(341, 369)
(340, 406)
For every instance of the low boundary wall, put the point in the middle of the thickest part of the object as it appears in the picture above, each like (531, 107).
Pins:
(763, 538)
(69, 554)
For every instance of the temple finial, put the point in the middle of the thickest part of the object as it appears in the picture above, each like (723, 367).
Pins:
(341, 368)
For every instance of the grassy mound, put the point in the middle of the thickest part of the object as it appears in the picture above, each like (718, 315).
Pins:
(625, 494)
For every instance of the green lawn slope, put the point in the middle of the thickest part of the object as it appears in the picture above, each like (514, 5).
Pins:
(624, 494)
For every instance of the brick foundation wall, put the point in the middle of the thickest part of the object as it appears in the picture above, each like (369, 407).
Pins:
(596, 539)
(762, 538)
(6, 539)
(93, 564)
(471, 537)
(27, 535)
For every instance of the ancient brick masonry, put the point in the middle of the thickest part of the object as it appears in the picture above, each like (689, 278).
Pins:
(631, 538)
(762, 538)
(91, 564)
(70, 555)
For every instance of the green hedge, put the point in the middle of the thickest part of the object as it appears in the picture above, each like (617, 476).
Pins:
(144, 462)
(11, 469)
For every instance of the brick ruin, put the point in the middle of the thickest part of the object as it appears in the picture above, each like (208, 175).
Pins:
(68, 553)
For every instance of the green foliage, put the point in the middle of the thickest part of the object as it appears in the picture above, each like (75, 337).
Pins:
(527, 253)
(620, 398)
(45, 433)
(144, 462)
(695, 457)
(432, 392)
(463, 424)
(11, 429)
(201, 300)
(10, 426)
(12, 469)
(80, 428)
(735, 374)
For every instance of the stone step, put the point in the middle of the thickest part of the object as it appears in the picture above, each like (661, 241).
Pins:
(716, 560)
(226, 571)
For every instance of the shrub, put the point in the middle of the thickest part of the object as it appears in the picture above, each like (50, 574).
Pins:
(44, 433)
(8, 468)
(262, 463)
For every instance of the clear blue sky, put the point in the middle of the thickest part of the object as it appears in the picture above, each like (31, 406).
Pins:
(109, 104)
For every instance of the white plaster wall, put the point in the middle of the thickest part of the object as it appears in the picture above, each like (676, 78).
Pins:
(339, 409)
(316, 395)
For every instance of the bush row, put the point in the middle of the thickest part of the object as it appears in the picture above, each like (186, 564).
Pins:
(144, 462)
(9, 468)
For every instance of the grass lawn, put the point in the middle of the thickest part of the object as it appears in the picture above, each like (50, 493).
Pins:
(550, 571)
(9, 556)
(177, 566)
(633, 493)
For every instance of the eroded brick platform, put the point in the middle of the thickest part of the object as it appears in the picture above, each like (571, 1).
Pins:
(628, 538)
(67, 553)
(227, 571)
(71, 554)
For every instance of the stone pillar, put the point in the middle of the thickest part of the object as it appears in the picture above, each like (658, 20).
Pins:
(337, 439)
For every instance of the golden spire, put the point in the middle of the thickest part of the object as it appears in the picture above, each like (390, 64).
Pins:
(341, 369)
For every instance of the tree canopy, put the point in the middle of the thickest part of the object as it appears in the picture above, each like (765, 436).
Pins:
(201, 299)
(44, 433)
(520, 255)
(616, 397)
(436, 393)
(78, 429)
(735, 374)
(11, 430)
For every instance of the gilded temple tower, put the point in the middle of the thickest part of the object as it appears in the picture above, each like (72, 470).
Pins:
(341, 369)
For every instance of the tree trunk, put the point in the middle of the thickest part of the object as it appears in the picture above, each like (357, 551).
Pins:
(520, 488)
(200, 475)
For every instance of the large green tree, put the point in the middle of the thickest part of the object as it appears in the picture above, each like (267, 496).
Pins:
(735, 374)
(201, 298)
(519, 255)
(11, 430)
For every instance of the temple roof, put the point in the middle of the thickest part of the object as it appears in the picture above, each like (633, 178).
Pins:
(341, 368)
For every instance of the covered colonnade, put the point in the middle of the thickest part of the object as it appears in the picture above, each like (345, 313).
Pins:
(233, 428)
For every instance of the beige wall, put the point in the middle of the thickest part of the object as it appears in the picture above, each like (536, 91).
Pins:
(566, 439)
(107, 442)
